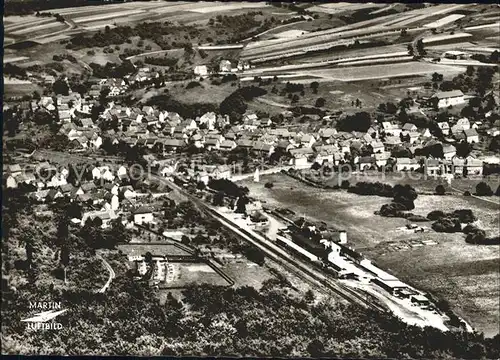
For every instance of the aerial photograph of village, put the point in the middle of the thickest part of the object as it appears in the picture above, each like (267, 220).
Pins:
(251, 179)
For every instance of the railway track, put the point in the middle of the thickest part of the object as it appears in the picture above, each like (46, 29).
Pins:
(298, 268)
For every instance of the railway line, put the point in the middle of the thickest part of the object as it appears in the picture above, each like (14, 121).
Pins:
(295, 266)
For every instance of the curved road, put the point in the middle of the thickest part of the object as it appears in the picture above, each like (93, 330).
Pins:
(112, 275)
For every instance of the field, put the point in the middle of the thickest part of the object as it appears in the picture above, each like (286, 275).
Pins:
(442, 264)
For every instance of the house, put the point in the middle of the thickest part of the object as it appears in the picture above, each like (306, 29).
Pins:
(171, 145)
(227, 145)
(448, 98)
(128, 192)
(471, 136)
(325, 153)
(432, 167)
(377, 147)
(88, 187)
(381, 158)
(201, 70)
(425, 133)
(449, 151)
(301, 156)
(261, 148)
(392, 141)
(105, 216)
(474, 166)
(243, 65)
(219, 172)
(445, 127)
(143, 215)
(367, 163)
(391, 129)
(307, 140)
(112, 202)
(457, 166)
(414, 136)
(406, 164)
(225, 66)
(11, 182)
(408, 127)
(212, 143)
(14, 169)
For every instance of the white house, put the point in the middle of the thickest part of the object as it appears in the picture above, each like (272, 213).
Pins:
(201, 70)
(143, 215)
(225, 66)
(449, 98)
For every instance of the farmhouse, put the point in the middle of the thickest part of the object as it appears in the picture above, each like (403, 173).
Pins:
(449, 98)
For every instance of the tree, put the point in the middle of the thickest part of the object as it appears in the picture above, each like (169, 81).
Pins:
(440, 190)
(463, 149)
(60, 87)
(345, 184)
(483, 189)
(218, 199)
(360, 121)
(405, 194)
(268, 185)
(316, 349)
(241, 205)
(320, 102)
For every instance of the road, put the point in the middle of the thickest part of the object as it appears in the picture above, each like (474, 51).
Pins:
(112, 275)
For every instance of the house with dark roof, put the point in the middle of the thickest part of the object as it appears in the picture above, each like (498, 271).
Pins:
(471, 136)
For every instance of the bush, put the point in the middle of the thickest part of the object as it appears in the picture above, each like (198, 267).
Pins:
(416, 218)
(440, 190)
(483, 189)
(476, 237)
(369, 188)
(447, 225)
(268, 185)
(467, 193)
(464, 215)
(435, 215)
(393, 209)
(469, 229)
(193, 84)
(345, 184)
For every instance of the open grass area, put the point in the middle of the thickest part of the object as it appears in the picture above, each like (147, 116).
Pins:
(465, 275)
(199, 273)
(155, 249)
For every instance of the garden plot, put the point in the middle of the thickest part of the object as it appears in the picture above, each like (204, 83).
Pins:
(336, 8)
(38, 28)
(444, 21)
